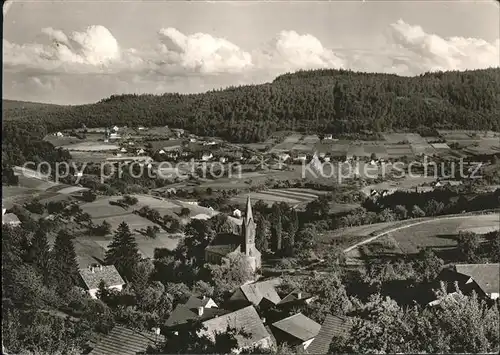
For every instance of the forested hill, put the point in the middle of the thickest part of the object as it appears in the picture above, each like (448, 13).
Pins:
(333, 101)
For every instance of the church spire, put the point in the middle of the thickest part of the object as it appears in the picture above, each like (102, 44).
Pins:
(249, 214)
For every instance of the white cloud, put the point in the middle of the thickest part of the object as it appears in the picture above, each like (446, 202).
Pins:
(201, 52)
(175, 61)
(292, 51)
(429, 52)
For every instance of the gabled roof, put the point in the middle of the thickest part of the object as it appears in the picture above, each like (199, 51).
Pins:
(182, 314)
(293, 297)
(299, 326)
(195, 302)
(256, 291)
(126, 341)
(106, 273)
(486, 276)
(333, 326)
(246, 320)
(224, 243)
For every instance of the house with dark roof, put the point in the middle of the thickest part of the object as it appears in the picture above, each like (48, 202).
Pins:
(333, 327)
(95, 273)
(126, 341)
(253, 333)
(297, 331)
(195, 309)
(296, 298)
(225, 245)
(483, 279)
(257, 292)
(485, 276)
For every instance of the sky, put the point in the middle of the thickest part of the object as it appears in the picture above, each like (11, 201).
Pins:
(74, 52)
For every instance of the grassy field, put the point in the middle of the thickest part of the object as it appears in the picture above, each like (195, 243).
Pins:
(439, 234)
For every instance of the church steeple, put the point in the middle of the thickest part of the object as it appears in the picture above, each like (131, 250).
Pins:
(249, 214)
(248, 229)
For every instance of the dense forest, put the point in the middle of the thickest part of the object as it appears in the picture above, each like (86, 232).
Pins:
(339, 102)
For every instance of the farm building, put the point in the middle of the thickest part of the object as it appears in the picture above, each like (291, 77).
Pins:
(94, 274)
(298, 331)
(484, 279)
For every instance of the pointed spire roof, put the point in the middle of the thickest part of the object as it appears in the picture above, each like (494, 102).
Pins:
(249, 214)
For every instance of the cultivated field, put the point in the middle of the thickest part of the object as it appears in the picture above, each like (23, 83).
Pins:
(292, 196)
(91, 146)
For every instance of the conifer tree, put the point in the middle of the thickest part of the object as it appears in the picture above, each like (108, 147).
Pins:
(123, 252)
(63, 266)
(39, 253)
(277, 227)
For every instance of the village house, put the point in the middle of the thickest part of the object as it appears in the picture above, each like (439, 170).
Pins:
(194, 309)
(9, 218)
(237, 213)
(126, 341)
(207, 156)
(484, 279)
(333, 327)
(257, 293)
(225, 245)
(94, 274)
(328, 137)
(141, 128)
(59, 134)
(283, 156)
(301, 157)
(252, 332)
(296, 298)
(114, 136)
(123, 150)
(223, 160)
(297, 331)
(115, 128)
(140, 151)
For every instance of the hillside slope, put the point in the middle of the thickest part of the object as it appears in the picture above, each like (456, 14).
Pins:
(341, 102)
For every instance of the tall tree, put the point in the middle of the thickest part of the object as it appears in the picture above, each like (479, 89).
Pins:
(277, 227)
(123, 252)
(63, 266)
(39, 253)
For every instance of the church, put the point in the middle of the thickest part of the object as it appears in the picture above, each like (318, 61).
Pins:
(225, 245)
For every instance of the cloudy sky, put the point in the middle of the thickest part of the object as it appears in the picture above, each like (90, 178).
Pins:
(72, 52)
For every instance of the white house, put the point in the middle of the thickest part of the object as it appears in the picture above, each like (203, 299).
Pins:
(115, 128)
(206, 156)
(302, 157)
(161, 151)
(192, 140)
(10, 218)
(140, 151)
(123, 150)
(284, 156)
(114, 136)
(223, 159)
(94, 274)
(328, 137)
(237, 213)
(59, 134)
(141, 128)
